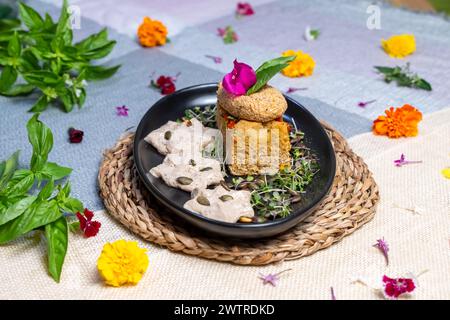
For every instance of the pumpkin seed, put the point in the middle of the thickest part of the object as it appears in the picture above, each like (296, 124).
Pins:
(167, 135)
(203, 200)
(224, 185)
(205, 169)
(296, 199)
(245, 219)
(184, 180)
(226, 197)
(192, 162)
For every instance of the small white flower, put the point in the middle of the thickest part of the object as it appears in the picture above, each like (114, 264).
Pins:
(84, 83)
(69, 82)
(311, 34)
(77, 92)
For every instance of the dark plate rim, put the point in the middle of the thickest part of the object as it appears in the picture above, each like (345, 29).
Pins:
(161, 197)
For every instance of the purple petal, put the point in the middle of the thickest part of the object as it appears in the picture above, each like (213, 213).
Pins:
(232, 86)
(245, 74)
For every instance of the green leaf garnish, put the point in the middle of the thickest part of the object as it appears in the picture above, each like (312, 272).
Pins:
(403, 77)
(268, 70)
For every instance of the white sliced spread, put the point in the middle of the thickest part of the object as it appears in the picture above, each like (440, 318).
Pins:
(188, 173)
(233, 205)
(186, 138)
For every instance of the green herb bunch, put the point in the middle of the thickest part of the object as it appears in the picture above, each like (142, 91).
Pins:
(31, 200)
(403, 77)
(42, 57)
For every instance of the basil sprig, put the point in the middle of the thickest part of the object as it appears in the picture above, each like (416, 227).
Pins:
(403, 77)
(268, 70)
(24, 208)
(41, 56)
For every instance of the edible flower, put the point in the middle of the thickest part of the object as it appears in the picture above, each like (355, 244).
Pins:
(333, 296)
(311, 34)
(214, 58)
(271, 278)
(446, 173)
(384, 248)
(398, 122)
(302, 66)
(363, 104)
(122, 111)
(399, 46)
(402, 161)
(227, 34)
(90, 228)
(395, 287)
(292, 89)
(240, 79)
(165, 83)
(75, 135)
(122, 262)
(152, 33)
(244, 9)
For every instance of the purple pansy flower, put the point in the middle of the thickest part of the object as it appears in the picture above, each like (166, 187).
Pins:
(402, 161)
(122, 111)
(238, 81)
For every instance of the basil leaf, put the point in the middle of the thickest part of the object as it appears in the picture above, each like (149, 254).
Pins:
(99, 72)
(384, 70)
(20, 183)
(74, 226)
(42, 77)
(94, 41)
(30, 17)
(7, 169)
(5, 11)
(40, 105)
(63, 22)
(46, 191)
(7, 78)
(100, 52)
(37, 215)
(57, 240)
(41, 138)
(423, 84)
(18, 90)
(268, 70)
(15, 210)
(14, 47)
(54, 171)
(71, 205)
(9, 24)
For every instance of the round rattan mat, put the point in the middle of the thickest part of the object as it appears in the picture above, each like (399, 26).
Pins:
(350, 203)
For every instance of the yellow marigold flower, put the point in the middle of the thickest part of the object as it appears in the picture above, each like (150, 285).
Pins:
(302, 66)
(446, 172)
(122, 262)
(399, 46)
(152, 33)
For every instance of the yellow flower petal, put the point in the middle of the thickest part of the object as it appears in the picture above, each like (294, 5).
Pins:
(302, 66)
(446, 173)
(399, 46)
(122, 262)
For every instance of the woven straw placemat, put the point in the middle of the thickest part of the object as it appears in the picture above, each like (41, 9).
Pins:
(350, 203)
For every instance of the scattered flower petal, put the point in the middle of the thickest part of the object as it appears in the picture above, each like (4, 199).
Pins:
(399, 46)
(384, 248)
(292, 89)
(75, 135)
(122, 262)
(302, 66)
(333, 297)
(446, 172)
(311, 34)
(395, 287)
(244, 9)
(214, 58)
(240, 79)
(402, 161)
(152, 33)
(271, 278)
(165, 83)
(122, 111)
(398, 122)
(227, 34)
(414, 209)
(363, 104)
(90, 228)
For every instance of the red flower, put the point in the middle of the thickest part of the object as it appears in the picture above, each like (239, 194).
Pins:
(165, 83)
(393, 288)
(90, 228)
(75, 136)
(244, 9)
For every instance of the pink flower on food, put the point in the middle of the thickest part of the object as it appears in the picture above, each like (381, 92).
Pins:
(384, 248)
(395, 287)
(240, 79)
(122, 111)
(244, 9)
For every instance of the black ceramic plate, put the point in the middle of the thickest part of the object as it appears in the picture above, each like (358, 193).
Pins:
(172, 107)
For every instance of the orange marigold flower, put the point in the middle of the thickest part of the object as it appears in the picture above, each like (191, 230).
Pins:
(398, 122)
(152, 33)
